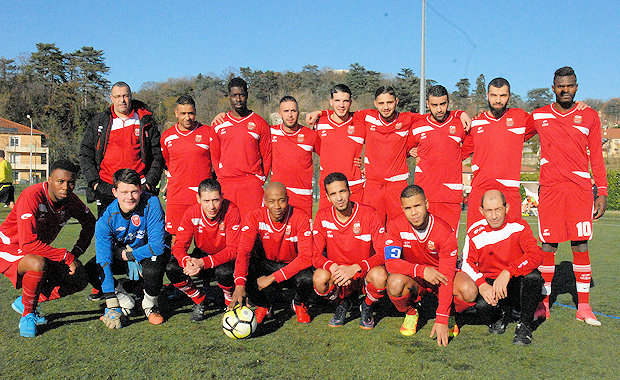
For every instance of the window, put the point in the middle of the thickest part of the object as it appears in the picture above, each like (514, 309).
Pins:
(44, 159)
(14, 158)
(14, 141)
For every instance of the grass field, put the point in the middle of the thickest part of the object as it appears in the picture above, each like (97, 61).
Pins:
(77, 344)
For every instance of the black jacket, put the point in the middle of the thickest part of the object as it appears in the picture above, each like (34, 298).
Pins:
(95, 141)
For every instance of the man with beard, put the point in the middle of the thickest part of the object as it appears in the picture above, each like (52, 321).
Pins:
(570, 140)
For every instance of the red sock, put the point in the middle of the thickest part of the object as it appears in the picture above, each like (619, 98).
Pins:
(547, 269)
(373, 294)
(228, 292)
(460, 305)
(30, 289)
(54, 294)
(188, 287)
(331, 293)
(402, 304)
(583, 274)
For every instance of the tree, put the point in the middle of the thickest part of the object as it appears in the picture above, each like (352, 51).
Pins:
(407, 86)
(611, 109)
(480, 92)
(362, 81)
(537, 98)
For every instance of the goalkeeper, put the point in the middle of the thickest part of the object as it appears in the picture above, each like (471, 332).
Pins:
(131, 231)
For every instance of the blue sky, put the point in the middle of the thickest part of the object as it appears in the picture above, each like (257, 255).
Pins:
(156, 40)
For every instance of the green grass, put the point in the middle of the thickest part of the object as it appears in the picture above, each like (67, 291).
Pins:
(79, 346)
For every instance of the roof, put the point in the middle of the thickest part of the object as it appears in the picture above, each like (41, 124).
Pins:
(611, 133)
(8, 126)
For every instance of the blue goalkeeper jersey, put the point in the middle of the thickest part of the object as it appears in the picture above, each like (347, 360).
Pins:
(142, 230)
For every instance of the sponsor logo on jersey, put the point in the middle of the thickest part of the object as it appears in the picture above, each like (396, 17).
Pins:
(545, 123)
(198, 138)
(307, 233)
(431, 245)
(287, 232)
(251, 126)
(222, 226)
(350, 129)
(452, 129)
(169, 225)
(245, 228)
(136, 132)
(373, 128)
(330, 234)
(274, 139)
(357, 228)
(140, 234)
(546, 232)
(324, 133)
(135, 220)
(235, 227)
(399, 125)
(266, 236)
(578, 119)
(300, 138)
(180, 229)
(121, 228)
(406, 244)
(509, 122)
(26, 216)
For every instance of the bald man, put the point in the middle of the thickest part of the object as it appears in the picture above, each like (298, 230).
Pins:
(284, 255)
(501, 256)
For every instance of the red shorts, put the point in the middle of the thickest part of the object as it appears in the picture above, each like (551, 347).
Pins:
(174, 215)
(513, 199)
(10, 256)
(384, 197)
(300, 201)
(565, 213)
(245, 192)
(355, 287)
(448, 212)
(357, 193)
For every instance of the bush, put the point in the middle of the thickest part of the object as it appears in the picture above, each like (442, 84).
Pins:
(613, 188)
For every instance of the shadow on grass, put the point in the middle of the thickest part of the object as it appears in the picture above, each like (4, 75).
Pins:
(564, 282)
(60, 319)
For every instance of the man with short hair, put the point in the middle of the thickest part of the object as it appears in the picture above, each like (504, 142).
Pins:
(570, 144)
(185, 148)
(213, 224)
(241, 151)
(501, 255)
(292, 147)
(349, 233)
(130, 233)
(123, 136)
(420, 255)
(282, 255)
(26, 256)
(7, 190)
(438, 137)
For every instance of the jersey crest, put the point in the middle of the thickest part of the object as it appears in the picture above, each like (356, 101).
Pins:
(288, 230)
(222, 226)
(350, 129)
(135, 220)
(300, 138)
(399, 125)
(431, 245)
(198, 138)
(251, 126)
(578, 119)
(452, 129)
(509, 122)
(357, 228)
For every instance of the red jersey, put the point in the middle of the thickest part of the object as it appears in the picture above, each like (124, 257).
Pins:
(354, 242)
(340, 144)
(218, 237)
(439, 171)
(241, 147)
(569, 143)
(35, 222)
(497, 145)
(409, 252)
(123, 146)
(292, 158)
(188, 160)
(289, 241)
(487, 251)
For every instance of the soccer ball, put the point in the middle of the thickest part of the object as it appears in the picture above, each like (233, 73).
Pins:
(239, 322)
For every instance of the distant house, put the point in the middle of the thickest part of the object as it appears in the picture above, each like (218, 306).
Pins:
(611, 142)
(23, 152)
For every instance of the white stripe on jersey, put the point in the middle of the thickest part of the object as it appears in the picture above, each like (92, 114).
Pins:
(517, 131)
(492, 237)
(543, 115)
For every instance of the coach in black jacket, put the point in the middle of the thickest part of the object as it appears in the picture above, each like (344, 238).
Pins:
(95, 142)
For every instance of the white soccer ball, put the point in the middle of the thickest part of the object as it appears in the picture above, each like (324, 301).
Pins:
(239, 322)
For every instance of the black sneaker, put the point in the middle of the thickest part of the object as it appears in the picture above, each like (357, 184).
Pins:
(198, 312)
(95, 295)
(340, 314)
(498, 327)
(367, 322)
(523, 335)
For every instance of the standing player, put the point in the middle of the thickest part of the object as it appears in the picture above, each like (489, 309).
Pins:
(502, 257)
(283, 254)
(292, 147)
(185, 147)
(131, 230)
(7, 190)
(213, 224)
(438, 139)
(348, 232)
(26, 256)
(570, 143)
(421, 254)
(241, 151)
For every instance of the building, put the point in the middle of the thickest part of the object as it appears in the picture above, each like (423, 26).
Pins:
(26, 150)
(611, 142)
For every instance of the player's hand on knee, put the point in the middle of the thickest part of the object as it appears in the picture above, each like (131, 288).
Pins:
(434, 276)
(442, 333)
(265, 281)
(500, 286)
(487, 292)
(113, 318)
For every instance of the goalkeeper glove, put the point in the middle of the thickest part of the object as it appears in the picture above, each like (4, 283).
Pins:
(113, 318)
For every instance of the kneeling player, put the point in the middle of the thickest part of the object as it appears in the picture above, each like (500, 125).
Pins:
(349, 232)
(213, 223)
(283, 254)
(26, 258)
(421, 254)
(131, 230)
(502, 257)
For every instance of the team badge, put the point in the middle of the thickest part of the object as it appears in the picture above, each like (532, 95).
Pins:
(198, 138)
(431, 245)
(251, 126)
(509, 122)
(288, 230)
(578, 119)
(452, 129)
(222, 226)
(135, 220)
(350, 129)
(300, 138)
(136, 132)
(357, 228)
(399, 125)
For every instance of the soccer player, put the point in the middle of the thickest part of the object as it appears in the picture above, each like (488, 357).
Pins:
(570, 143)
(421, 255)
(283, 255)
(241, 151)
(124, 136)
(292, 147)
(26, 256)
(185, 147)
(349, 233)
(130, 233)
(213, 224)
(438, 138)
(501, 255)
(7, 190)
